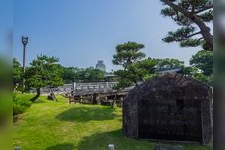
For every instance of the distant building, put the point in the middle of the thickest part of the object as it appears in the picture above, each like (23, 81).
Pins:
(101, 66)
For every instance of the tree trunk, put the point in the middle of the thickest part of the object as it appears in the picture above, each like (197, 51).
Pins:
(53, 94)
(114, 101)
(136, 83)
(37, 95)
(94, 98)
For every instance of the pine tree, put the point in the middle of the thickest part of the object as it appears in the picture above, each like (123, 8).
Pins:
(43, 72)
(192, 16)
(127, 54)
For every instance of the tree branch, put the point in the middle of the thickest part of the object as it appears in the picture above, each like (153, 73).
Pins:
(201, 38)
(204, 9)
(193, 9)
(177, 8)
(205, 30)
(193, 34)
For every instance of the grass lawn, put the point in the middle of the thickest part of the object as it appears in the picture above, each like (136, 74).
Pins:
(49, 125)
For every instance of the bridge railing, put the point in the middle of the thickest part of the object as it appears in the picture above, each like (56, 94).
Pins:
(82, 87)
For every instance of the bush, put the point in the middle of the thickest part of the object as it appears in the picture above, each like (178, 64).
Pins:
(20, 103)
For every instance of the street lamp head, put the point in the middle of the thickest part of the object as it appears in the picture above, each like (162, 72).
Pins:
(24, 40)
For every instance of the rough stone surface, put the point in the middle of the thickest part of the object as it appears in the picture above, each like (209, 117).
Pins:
(51, 97)
(169, 107)
(169, 147)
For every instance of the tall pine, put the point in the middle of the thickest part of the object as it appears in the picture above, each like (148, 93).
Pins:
(193, 17)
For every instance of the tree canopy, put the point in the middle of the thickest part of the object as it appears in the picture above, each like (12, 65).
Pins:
(17, 72)
(43, 71)
(167, 63)
(135, 67)
(192, 16)
(201, 67)
(203, 60)
(69, 74)
(127, 54)
(89, 75)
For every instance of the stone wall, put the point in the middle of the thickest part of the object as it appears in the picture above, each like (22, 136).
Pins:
(169, 107)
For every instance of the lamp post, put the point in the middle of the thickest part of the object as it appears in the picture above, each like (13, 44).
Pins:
(24, 42)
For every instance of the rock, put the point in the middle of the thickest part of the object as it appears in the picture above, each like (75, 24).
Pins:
(169, 147)
(169, 107)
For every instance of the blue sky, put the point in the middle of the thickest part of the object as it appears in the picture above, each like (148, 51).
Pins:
(81, 32)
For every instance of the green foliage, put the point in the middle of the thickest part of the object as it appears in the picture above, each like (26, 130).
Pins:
(190, 71)
(202, 78)
(179, 35)
(125, 79)
(201, 67)
(191, 43)
(136, 72)
(192, 16)
(203, 60)
(128, 53)
(193, 72)
(69, 74)
(20, 103)
(207, 16)
(142, 70)
(196, 74)
(90, 74)
(135, 69)
(44, 71)
(17, 71)
(167, 63)
(146, 65)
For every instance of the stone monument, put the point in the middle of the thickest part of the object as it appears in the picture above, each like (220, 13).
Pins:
(169, 107)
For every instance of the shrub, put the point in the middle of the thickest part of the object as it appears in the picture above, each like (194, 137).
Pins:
(20, 103)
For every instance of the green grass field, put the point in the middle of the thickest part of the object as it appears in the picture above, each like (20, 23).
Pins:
(49, 125)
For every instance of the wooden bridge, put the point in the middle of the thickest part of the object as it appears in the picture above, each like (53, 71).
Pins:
(82, 88)
(102, 92)
(98, 98)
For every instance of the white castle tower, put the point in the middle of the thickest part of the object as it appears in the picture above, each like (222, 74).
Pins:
(101, 66)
